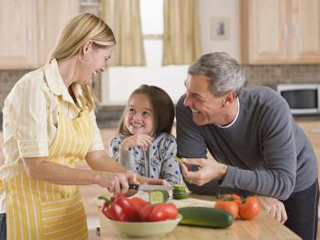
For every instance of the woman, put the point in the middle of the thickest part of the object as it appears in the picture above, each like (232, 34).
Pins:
(49, 124)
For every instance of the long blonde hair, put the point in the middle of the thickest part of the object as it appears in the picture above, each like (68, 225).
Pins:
(78, 31)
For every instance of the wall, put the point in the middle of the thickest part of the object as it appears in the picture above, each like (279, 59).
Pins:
(226, 9)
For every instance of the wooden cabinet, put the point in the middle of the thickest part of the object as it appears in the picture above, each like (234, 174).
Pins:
(29, 30)
(311, 127)
(280, 31)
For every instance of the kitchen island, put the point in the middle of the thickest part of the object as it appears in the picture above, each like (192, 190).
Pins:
(261, 227)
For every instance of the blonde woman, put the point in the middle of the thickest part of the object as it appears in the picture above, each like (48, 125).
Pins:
(49, 124)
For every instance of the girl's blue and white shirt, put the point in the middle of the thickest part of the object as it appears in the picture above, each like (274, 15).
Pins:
(156, 162)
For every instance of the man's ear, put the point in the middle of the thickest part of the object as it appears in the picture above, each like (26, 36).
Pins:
(228, 99)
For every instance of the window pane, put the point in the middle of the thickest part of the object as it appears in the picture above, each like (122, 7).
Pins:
(151, 16)
(122, 81)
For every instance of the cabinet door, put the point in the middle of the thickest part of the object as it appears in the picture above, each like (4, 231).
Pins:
(17, 34)
(312, 130)
(265, 31)
(305, 29)
(53, 16)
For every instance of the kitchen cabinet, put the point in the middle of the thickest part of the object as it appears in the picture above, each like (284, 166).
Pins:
(29, 30)
(311, 127)
(280, 32)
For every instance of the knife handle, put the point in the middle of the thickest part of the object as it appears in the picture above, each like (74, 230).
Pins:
(134, 186)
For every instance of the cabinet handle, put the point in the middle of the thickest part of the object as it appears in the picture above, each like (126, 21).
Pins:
(29, 35)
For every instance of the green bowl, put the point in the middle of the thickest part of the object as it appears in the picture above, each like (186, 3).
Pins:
(145, 229)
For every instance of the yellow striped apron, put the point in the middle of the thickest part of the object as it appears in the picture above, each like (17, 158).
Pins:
(42, 210)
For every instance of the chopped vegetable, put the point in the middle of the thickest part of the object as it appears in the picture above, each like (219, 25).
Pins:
(179, 192)
(158, 196)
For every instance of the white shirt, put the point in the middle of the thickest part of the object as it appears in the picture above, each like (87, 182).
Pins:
(30, 117)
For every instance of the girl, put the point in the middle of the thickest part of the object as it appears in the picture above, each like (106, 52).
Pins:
(144, 143)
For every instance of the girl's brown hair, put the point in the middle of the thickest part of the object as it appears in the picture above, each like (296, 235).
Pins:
(161, 106)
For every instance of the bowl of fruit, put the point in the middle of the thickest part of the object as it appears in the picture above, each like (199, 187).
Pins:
(135, 217)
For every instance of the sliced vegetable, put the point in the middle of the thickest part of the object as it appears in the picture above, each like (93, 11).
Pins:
(158, 196)
(205, 217)
(179, 191)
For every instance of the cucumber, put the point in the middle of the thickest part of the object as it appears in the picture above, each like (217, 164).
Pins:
(158, 196)
(179, 192)
(205, 217)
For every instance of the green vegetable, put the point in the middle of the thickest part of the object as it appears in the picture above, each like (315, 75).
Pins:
(205, 217)
(158, 196)
(179, 192)
(178, 159)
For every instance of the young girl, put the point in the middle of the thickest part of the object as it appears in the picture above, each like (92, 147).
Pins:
(144, 144)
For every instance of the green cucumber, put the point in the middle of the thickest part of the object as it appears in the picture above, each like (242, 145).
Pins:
(179, 192)
(205, 217)
(158, 196)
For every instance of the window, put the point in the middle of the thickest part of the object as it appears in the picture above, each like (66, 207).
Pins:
(119, 82)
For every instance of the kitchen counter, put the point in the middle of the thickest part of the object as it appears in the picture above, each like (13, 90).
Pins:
(261, 227)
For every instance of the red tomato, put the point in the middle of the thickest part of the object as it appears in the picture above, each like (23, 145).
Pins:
(250, 208)
(163, 211)
(232, 197)
(228, 206)
(145, 211)
(138, 203)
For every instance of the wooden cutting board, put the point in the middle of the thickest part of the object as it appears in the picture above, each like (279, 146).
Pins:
(188, 202)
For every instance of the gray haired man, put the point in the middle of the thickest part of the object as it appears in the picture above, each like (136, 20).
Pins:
(255, 143)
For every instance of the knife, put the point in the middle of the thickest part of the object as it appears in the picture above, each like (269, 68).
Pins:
(147, 187)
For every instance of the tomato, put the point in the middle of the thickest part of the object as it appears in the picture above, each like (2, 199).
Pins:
(250, 208)
(232, 197)
(138, 203)
(145, 211)
(163, 211)
(228, 206)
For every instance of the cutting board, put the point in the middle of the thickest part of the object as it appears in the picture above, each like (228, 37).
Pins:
(188, 202)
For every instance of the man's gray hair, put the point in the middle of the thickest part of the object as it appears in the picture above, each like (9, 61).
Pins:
(224, 72)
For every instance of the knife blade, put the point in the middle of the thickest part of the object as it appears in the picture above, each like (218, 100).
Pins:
(147, 187)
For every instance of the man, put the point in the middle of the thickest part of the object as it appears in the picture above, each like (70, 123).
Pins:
(255, 143)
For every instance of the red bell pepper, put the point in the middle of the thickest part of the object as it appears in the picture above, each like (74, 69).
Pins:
(121, 209)
(106, 203)
(128, 208)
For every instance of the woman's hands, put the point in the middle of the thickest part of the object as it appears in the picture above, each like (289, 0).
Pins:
(142, 140)
(116, 182)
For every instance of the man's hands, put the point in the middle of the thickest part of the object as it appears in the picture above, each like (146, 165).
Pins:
(209, 169)
(275, 208)
(142, 140)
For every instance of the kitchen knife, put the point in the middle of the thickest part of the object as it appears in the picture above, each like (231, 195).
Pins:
(147, 187)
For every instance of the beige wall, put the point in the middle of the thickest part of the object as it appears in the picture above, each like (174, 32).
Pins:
(213, 9)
